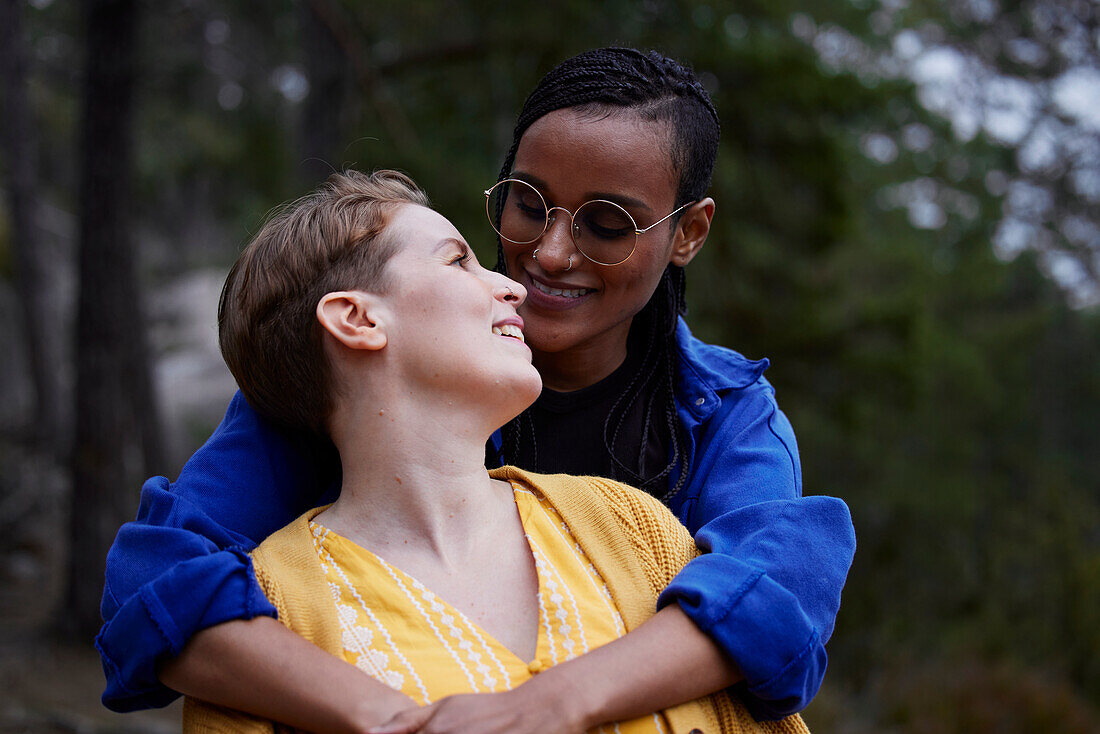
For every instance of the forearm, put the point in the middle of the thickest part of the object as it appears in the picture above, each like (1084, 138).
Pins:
(767, 589)
(664, 662)
(261, 667)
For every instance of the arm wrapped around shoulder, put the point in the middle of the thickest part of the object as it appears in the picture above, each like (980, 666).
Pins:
(664, 547)
(767, 589)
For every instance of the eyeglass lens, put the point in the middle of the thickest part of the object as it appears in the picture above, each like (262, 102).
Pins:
(603, 231)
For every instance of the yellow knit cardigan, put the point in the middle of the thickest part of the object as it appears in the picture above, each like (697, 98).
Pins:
(628, 535)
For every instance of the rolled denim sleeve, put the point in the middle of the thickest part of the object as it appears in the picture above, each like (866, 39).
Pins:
(767, 590)
(767, 587)
(182, 565)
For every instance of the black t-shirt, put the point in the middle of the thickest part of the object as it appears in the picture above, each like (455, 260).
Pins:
(568, 430)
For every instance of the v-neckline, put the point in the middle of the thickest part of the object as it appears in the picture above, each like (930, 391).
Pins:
(524, 511)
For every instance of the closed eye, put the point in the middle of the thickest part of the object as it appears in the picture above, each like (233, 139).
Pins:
(534, 212)
(606, 233)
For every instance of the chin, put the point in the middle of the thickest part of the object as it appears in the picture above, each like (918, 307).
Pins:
(517, 395)
(533, 387)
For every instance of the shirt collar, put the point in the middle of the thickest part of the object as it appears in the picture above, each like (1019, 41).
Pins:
(706, 370)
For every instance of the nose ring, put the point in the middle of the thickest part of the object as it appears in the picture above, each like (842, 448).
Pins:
(568, 262)
(511, 294)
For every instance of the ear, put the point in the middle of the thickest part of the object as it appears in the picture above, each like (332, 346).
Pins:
(691, 231)
(353, 318)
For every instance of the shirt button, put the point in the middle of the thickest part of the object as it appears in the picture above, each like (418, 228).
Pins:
(535, 666)
(700, 401)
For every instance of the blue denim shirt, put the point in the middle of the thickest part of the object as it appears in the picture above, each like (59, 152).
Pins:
(767, 588)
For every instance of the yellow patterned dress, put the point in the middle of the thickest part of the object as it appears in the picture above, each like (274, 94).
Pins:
(399, 632)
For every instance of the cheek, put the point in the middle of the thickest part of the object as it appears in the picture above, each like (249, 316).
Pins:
(637, 279)
(512, 253)
(449, 305)
(630, 295)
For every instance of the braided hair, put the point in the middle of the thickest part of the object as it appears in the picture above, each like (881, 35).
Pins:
(657, 89)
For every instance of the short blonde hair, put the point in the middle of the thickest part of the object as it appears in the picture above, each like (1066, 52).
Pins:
(329, 240)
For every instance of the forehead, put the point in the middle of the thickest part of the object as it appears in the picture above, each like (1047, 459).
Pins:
(579, 155)
(418, 228)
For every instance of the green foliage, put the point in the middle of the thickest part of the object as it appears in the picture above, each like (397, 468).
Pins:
(949, 397)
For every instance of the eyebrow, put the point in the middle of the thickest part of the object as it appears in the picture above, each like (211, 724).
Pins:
(621, 200)
(447, 241)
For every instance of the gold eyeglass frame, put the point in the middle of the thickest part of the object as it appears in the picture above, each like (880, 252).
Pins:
(572, 217)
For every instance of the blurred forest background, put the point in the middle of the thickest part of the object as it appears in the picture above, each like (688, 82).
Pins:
(908, 226)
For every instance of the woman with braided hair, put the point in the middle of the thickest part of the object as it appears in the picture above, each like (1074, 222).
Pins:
(600, 204)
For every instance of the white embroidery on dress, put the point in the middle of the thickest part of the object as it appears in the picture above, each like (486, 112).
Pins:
(372, 661)
(489, 650)
(465, 645)
(562, 614)
(544, 613)
(593, 574)
(436, 606)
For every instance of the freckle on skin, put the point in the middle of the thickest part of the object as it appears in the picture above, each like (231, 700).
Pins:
(397, 479)
(382, 412)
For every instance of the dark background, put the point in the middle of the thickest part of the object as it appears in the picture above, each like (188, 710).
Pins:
(908, 226)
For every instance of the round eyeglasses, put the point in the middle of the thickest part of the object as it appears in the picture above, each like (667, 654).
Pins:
(602, 231)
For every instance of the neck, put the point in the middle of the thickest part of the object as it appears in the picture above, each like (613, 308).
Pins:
(582, 365)
(413, 474)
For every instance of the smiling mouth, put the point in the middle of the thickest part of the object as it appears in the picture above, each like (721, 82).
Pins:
(563, 292)
(509, 330)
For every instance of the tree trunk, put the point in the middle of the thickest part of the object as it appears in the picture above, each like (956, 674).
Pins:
(31, 277)
(116, 434)
(321, 133)
(334, 48)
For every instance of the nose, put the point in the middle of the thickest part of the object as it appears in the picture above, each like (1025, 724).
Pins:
(557, 253)
(509, 291)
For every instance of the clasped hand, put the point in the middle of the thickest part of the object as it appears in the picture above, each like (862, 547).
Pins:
(519, 711)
